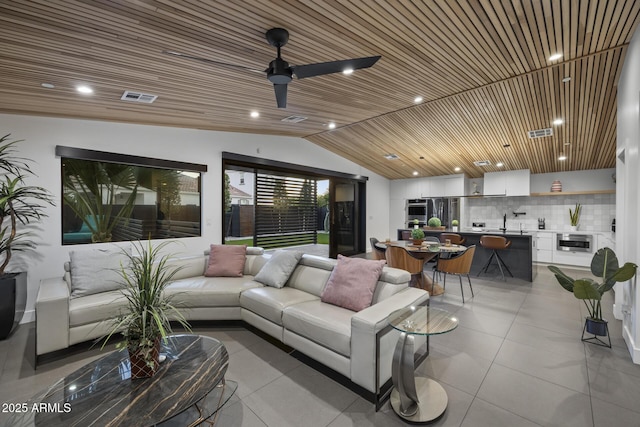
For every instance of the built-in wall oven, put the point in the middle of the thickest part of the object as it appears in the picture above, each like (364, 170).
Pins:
(416, 209)
(574, 242)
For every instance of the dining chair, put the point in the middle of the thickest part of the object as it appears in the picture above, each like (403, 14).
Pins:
(460, 266)
(455, 239)
(399, 257)
(377, 251)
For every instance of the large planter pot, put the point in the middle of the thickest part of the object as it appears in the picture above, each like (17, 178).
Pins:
(596, 327)
(13, 300)
(417, 242)
(139, 367)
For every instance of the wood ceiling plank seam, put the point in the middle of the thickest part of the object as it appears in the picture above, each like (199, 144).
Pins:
(579, 16)
(604, 33)
(514, 13)
(558, 18)
(629, 20)
(508, 36)
(527, 21)
(606, 95)
(524, 111)
(504, 97)
(618, 20)
(489, 50)
(591, 118)
(567, 25)
(590, 27)
(544, 35)
(584, 108)
(440, 43)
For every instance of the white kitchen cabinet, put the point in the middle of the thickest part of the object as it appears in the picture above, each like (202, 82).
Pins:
(425, 187)
(508, 183)
(606, 240)
(544, 247)
(454, 186)
(412, 189)
(582, 259)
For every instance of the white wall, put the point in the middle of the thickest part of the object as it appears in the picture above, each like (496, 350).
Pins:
(627, 304)
(42, 134)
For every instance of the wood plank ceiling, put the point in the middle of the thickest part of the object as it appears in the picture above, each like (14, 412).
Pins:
(482, 67)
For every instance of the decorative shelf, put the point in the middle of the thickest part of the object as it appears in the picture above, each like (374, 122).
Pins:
(573, 193)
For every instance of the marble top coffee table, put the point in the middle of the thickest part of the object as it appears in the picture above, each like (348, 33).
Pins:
(188, 388)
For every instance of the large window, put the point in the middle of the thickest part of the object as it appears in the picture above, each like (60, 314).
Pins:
(108, 201)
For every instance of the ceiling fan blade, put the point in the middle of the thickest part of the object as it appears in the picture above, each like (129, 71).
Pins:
(311, 70)
(211, 61)
(281, 95)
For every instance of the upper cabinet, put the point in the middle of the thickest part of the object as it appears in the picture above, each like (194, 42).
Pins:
(508, 183)
(437, 186)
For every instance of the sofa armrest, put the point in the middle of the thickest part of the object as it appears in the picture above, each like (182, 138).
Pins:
(52, 316)
(367, 355)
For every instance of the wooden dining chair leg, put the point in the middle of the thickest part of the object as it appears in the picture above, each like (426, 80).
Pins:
(470, 287)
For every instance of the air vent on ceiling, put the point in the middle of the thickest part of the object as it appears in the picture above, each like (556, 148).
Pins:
(540, 133)
(294, 119)
(482, 162)
(145, 98)
(391, 156)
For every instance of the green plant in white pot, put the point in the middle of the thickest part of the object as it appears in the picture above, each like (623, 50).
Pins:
(146, 318)
(574, 216)
(604, 265)
(454, 225)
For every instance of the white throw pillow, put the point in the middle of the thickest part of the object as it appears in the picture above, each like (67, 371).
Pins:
(277, 270)
(96, 270)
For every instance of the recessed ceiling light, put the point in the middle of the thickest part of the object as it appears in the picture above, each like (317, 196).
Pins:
(499, 164)
(86, 90)
(415, 173)
(562, 157)
(418, 100)
(332, 125)
(348, 71)
(48, 85)
(566, 80)
(555, 56)
(457, 169)
(255, 114)
(558, 122)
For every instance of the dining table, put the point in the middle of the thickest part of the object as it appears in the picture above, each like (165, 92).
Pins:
(426, 251)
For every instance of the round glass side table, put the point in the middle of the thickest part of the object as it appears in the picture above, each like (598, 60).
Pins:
(417, 399)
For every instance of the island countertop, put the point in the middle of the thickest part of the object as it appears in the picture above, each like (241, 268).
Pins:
(518, 257)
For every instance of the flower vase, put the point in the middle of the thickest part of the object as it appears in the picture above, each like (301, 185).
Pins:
(139, 366)
(573, 228)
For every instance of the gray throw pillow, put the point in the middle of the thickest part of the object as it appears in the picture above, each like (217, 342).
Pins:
(96, 270)
(277, 270)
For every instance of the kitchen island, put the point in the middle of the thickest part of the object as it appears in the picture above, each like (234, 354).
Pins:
(519, 257)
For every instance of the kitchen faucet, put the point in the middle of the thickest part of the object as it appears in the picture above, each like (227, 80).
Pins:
(504, 224)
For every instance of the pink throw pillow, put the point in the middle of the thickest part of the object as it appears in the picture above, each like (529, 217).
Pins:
(352, 283)
(226, 261)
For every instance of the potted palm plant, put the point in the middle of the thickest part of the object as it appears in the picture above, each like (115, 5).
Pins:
(146, 320)
(604, 264)
(20, 204)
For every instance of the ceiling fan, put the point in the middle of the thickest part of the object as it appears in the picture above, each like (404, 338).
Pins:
(280, 73)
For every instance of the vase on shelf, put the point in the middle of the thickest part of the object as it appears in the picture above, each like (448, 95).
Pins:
(573, 227)
(556, 186)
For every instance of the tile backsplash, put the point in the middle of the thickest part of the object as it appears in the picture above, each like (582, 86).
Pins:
(598, 210)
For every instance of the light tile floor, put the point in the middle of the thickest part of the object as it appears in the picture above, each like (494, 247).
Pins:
(515, 360)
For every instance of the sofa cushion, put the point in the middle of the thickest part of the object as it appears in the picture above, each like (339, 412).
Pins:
(226, 261)
(95, 271)
(311, 274)
(352, 283)
(277, 270)
(96, 307)
(269, 302)
(325, 324)
(209, 291)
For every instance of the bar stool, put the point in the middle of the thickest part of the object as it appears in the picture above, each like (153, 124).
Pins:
(455, 239)
(495, 243)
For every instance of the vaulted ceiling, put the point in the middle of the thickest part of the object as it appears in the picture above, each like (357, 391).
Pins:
(482, 68)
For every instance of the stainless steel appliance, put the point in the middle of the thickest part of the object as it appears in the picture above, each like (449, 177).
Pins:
(446, 209)
(574, 242)
(416, 209)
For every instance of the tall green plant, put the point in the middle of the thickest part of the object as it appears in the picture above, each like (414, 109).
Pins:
(149, 308)
(604, 264)
(90, 190)
(574, 216)
(20, 204)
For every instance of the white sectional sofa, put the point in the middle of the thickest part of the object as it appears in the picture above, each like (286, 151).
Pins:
(358, 345)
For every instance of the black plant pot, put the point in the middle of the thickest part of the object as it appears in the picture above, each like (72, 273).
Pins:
(13, 300)
(597, 327)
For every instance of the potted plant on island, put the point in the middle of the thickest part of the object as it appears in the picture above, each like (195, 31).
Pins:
(417, 236)
(434, 223)
(604, 264)
(454, 225)
(574, 217)
(416, 223)
(146, 320)
(20, 204)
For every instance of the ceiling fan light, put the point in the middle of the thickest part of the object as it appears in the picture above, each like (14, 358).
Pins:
(347, 71)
